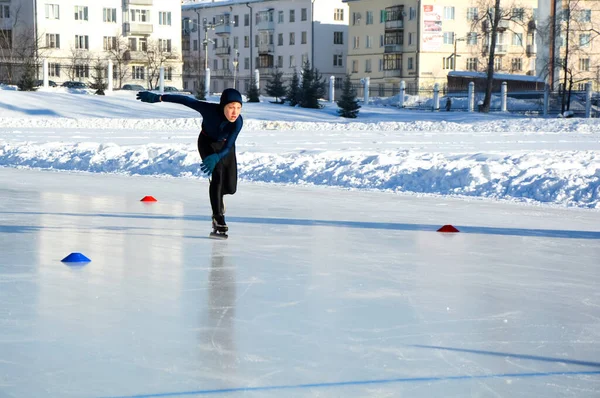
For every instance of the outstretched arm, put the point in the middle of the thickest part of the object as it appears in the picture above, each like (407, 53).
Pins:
(199, 106)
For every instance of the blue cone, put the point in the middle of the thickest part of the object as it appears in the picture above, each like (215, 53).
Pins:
(76, 258)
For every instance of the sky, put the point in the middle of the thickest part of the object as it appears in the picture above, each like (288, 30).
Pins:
(502, 156)
(333, 281)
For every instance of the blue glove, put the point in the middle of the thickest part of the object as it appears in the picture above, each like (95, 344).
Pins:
(147, 96)
(209, 163)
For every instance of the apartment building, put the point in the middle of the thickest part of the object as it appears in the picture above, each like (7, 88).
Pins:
(139, 36)
(571, 31)
(420, 41)
(233, 38)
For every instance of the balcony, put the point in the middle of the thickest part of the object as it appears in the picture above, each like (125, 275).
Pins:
(137, 28)
(128, 3)
(134, 56)
(531, 50)
(223, 51)
(392, 73)
(266, 48)
(393, 48)
(395, 24)
(223, 30)
(265, 25)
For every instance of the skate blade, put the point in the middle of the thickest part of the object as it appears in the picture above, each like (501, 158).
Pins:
(219, 235)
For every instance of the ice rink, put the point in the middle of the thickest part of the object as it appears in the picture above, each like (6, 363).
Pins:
(319, 292)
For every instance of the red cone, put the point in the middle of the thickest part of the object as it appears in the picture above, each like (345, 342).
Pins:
(448, 228)
(148, 199)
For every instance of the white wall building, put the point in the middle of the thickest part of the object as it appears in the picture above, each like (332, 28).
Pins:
(263, 35)
(74, 35)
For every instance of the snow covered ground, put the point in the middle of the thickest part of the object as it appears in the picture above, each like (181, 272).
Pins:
(333, 283)
(554, 161)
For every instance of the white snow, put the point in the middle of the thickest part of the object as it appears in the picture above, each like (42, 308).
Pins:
(502, 156)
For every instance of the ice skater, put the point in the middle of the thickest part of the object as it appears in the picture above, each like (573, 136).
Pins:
(221, 124)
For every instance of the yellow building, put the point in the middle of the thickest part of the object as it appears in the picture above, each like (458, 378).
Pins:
(420, 41)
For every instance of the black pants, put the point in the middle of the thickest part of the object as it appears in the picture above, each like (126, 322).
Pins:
(224, 177)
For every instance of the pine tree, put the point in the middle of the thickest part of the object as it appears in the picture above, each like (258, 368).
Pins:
(201, 91)
(293, 91)
(27, 80)
(312, 87)
(348, 103)
(275, 87)
(253, 93)
(98, 80)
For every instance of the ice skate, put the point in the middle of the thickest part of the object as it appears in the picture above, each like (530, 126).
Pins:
(219, 227)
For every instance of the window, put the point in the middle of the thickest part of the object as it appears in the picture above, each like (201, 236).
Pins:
(82, 42)
(139, 15)
(292, 15)
(338, 37)
(584, 64)
(472, 13)
(355, 66)
(369, 42)
(585, 15)
(303, 14)
(472, 64)
(81, 13)
(169, 73)
(292, 61)
(412, 13)
(448, 12)
(52, 40)
(164, 45)
(51, 11)
(246, 41)
(338, 14)
(280, 39)
(356, 42)
(280, 17)
(369, 18)
(448, 37)
(143, 44)
(280, 61)
(410, 63)
(472, 38)
(195, 45)
(338, 60)
(392, 61)
(382, 17)
(132, 44)
(497, 64)
(246, 63)
(109, 43)
(236, 42)
(236, 20)
(356, 18)
(6, 39)
(584, 39)
(246, 19)
(448, 62)
(410, 38)
(137, 72)
(303, 38)
(516, 64)
(215, 64)
(292, 38)
(304, 59)
(109, 14)
(367, 66)
(53, 70)
(517, 39)
(518, 14)
(82, 71)
(164, 18)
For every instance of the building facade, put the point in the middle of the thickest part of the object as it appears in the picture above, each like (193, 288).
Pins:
(76, 36)
(234, 38)
(420, 41)
(570, 43)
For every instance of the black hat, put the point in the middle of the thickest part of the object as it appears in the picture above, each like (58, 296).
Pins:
(230, 95)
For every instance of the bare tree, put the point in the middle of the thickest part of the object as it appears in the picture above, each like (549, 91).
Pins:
(158, 54)
(118, 52)
(79, 64)
(493, 18)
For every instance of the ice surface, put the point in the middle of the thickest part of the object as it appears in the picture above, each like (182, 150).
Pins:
(318, 292)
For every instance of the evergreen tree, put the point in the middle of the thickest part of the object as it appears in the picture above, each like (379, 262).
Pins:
(253, 93)
(348, 103)
(27, 80)
(98, 83)
(312, 87)
(275, 87)
(293, 91)
(201, 91)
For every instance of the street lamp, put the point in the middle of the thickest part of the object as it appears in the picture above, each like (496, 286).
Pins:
(456, 55)
(235, 65)
(207, 26)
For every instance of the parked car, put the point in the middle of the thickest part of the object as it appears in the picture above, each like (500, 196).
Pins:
(72, 84)
(133, 87)
(39, 83)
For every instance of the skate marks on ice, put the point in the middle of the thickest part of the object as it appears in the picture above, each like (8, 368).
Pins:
(524, 232)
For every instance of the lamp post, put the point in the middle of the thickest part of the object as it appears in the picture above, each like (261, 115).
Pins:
(235, 65)
(207, 26)
(456, 55)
